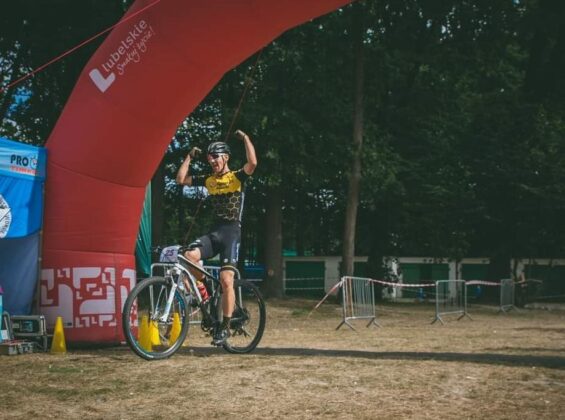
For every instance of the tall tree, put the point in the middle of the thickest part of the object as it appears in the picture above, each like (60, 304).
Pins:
(354, 183)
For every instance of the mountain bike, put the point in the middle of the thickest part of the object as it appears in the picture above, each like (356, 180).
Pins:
(158, 310)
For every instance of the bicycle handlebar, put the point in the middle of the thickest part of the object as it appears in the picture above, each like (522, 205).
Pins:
(157, 249)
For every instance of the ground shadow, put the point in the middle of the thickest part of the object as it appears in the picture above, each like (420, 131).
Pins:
(547, 329)
(552, 362)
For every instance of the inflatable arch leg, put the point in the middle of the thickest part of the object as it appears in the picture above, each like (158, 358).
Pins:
(149, 73)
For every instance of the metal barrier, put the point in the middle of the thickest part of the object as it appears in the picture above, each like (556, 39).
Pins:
(451, 299)
(161, 269)
(358, 301)
(507, 288)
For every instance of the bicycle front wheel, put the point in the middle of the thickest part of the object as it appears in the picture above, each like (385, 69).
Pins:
(152, 331)
(248, 319)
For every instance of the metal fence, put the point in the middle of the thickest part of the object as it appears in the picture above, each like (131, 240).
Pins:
(161, 269)
(451, 299)
(507, 289)
(358, 300)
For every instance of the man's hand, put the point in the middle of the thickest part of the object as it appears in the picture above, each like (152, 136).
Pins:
(194, 152)
(240, 135)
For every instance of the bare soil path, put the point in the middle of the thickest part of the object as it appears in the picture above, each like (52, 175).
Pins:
(498, 366)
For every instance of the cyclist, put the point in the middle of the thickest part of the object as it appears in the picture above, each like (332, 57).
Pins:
(226, 193)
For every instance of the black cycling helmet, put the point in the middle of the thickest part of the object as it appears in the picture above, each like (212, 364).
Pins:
(219, 147)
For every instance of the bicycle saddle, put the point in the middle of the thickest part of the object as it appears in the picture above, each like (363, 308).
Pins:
(191, 246)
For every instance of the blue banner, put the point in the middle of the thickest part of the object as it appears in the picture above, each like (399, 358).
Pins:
(19, 264)
(21, 160)
(22, 174)
(21, 207)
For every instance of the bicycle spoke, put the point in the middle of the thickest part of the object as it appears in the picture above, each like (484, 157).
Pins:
(155, 323)
(241, 331)
(248, 320)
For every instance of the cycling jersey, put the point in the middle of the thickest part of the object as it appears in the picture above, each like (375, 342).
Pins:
(226, 193)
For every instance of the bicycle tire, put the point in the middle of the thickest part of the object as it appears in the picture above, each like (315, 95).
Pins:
(250, 314)
(148, 298)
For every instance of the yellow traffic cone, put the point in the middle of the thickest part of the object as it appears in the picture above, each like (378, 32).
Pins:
(58, 345)
(175, 329)
(154, 334)
(143, 335)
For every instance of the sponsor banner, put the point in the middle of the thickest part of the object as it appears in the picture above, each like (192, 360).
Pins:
(21, 160)
(22, 174)
(89, 291)
(21, 207)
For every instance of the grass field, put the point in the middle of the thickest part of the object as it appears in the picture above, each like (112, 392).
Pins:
(497, 366)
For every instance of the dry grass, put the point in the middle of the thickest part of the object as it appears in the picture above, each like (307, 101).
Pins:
(496, 366)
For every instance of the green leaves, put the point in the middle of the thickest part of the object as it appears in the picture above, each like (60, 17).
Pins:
(463, 151)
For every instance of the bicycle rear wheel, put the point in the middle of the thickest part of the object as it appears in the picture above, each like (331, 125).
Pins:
(148, 334)
(248, 319)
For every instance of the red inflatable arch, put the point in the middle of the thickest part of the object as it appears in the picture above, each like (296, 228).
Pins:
(149, 73)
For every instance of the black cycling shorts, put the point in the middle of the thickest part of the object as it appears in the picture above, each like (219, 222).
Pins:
(224, 239)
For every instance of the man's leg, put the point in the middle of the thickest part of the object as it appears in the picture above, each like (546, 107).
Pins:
(194, 256)
(228, 304)
(228, 298)
(203, 249)
(230, 235)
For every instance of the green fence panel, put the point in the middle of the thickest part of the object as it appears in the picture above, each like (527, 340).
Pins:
(553, 278)
(474, 271)
(305, 278)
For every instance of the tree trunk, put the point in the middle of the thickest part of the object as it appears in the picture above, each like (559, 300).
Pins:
(355, 175)
(498, 268)
(274, 286)
(300, 227)
(375, 263)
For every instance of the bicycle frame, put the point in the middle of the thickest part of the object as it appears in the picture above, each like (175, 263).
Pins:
(182, 266)
(155, 299)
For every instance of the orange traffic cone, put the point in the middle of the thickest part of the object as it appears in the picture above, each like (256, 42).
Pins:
(175, 329)
(58, 345)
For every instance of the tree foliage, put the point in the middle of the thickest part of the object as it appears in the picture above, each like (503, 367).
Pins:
(463, 151)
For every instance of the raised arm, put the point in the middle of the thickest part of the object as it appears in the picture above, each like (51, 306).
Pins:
(251, 164)
(183, 175)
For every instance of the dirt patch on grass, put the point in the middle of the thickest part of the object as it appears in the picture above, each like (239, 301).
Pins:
(502, 366)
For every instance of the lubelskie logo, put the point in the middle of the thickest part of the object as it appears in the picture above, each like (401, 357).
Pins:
(130, 50)
(100, 81)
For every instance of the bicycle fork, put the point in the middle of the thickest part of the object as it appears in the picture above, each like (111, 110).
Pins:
(175, 285)
(166, 312)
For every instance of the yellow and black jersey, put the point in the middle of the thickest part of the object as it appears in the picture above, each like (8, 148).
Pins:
(226, 193)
